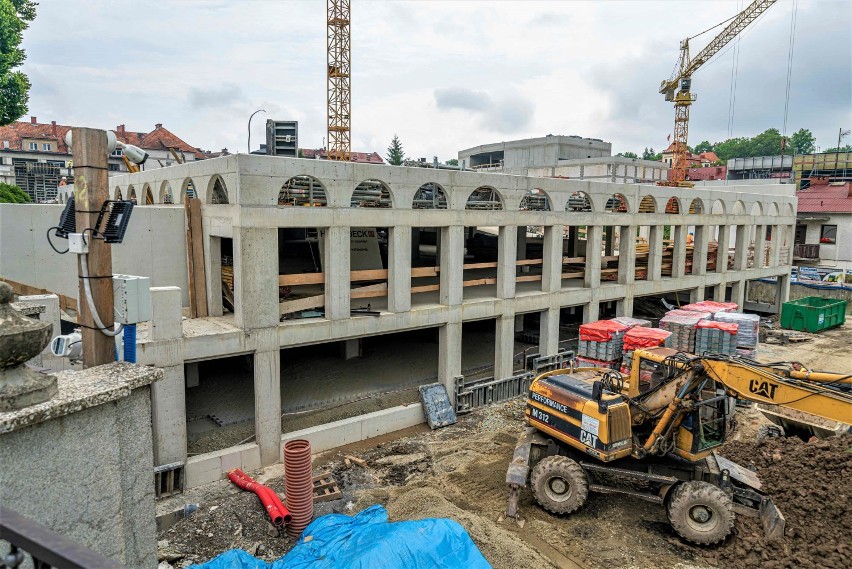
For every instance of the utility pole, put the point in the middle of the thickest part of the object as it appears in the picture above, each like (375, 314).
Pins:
(91, 190)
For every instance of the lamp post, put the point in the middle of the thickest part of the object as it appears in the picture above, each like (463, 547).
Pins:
(249, 127)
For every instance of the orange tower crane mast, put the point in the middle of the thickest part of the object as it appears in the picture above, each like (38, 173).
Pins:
(339, 92)
(677, 88)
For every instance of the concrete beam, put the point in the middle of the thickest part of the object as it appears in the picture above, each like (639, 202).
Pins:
(592, 277)
(452, 262)
(627, 255)
(449, 356)
(336, 268)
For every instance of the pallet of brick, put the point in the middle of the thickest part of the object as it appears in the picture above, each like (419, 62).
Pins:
(593, 362)
(602, 340)
(642, 337)
(632, 322)
(681, 323)
(714, 337)
(711, 306)
(748, 327)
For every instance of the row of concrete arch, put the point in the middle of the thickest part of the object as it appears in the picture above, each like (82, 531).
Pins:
(304, 190)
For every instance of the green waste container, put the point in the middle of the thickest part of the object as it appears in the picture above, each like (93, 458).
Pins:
(813, 314)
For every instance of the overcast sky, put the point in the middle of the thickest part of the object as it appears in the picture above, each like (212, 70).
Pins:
(443, 75)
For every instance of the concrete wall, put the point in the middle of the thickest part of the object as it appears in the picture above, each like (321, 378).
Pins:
(609, 169)
(765, 292)
(154, 246)
(519, 155)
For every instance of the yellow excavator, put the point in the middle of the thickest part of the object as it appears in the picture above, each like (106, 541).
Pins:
(652, 434)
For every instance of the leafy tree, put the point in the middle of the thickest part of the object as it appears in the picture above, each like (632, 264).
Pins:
(847, 148)
(628, 154)
(703, 146)
(395, 154)
(452, 162)
(802, 142)
(13, 194)
(649, 154)
(15, 16)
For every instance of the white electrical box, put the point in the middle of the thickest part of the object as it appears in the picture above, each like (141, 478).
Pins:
(77, 243)
(132, 298)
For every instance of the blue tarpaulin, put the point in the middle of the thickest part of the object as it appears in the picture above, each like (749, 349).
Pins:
(368, 541)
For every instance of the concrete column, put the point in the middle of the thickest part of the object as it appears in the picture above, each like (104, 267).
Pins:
(738, 293)
(399, 269)
(548, 343)
(452, 265)
(624, 307)
(351, 349)
(267, 405)
(256, 277)
(741, 245)
(507, 249)
(791, 235)
(336, 268)
(592, 278)
(759, 245)
(696, 294)
(519, 322)
(775, 246)
(609, 240)
(627, 255)
(168, 396)
(449, 356)
(699, 250)
(678, 251)
(591, 311)
(213, 258)
(655, 252)
(504, 347)
(782, 292)
(724, 244)
(551, 269)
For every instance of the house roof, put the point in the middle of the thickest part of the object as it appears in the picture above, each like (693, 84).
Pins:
(833, 198)
(158, 139)
(708, 156)
(360, 157)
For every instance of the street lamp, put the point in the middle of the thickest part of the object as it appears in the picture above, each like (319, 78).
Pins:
(249, 127)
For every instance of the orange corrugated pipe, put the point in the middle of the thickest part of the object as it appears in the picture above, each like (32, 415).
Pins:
(278, 513)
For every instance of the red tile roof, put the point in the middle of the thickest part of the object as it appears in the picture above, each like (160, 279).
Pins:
(835, 198)
(360, 157)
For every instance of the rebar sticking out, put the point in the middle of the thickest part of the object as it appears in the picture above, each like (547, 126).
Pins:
(298, 477)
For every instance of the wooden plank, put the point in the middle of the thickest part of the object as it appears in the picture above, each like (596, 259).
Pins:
(368, 275)
(425, 271)
(572, 260)
(577, 275)
(522, 262)
(195, 255)
(528, 278)
(65, 302)
(301, 279)
(480, 282)
(369, 291)
(306, 303)
(480, 266)
(425, 288)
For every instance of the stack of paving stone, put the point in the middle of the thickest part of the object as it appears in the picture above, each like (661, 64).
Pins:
(602, 341)
(641, 337)
(632, 322)
(748, 326)
(681, 323)
(714, 337)
(712, 307)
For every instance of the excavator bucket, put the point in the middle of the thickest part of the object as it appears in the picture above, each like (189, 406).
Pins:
(772, 519)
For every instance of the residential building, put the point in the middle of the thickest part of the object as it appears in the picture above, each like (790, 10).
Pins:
(518, 156)
(701, 160)
(824, 227)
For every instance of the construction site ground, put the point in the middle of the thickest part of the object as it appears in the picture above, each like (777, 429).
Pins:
(459, 472)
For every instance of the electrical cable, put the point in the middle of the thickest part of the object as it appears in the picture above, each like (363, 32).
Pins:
(84, 267)
(49, 242)
(732, 97)
(793, 18)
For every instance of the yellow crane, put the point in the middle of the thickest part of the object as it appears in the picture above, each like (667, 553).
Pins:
(677, 88)
(339, 93)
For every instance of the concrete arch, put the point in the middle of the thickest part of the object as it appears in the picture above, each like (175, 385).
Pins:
(166, 196)
(673, 205)
(773, 209)
(303, 190)
(718, 208)
(486, 198)
(430, 195)
(217, 192)
(739, 208)
(372, 193)
(131, 194)
(579, 201)
(187, 190)
(535, 199)
(149, 195)
(696, 206)
(756, 209)
(617, 203)
(648, 205)
(117, 195)
(789, 210)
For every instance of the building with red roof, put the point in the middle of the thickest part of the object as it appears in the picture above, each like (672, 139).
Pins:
(360, 157)
(824, 226)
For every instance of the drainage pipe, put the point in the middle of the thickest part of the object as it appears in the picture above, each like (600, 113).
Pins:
(298, 478)
(276, 510)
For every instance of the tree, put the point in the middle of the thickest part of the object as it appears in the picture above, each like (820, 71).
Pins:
(395, 154)
(15, 16)
(628, 154)
(452, 162)
(649, 154)
(847, 148)
(802, 142)
(13, 194)
(703, 146)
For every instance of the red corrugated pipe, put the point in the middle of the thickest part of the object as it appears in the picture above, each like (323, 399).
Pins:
(278, 513)
(298, 479)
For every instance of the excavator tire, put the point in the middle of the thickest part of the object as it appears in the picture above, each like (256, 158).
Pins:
(700, 512)
(559, 484)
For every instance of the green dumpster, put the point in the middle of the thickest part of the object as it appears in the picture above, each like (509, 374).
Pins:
(813, 314)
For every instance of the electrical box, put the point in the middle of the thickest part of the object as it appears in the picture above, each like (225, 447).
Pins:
(282, 138)
(77, 243)
(132, 298)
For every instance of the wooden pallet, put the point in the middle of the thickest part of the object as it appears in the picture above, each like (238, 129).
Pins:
(325, 488)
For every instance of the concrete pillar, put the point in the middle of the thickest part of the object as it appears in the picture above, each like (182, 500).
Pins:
(449, 356)
(624, 307)
(775, 246)
(551, 269)
(267, 405)
(678, 251)
(782, 292)
(336, 268)
(741, 246)
(696, 294)
(591, 311)
(719, 291)
(256, 277)
(519, 322)
(592, 278)
(548, 343)
(350, 349)
(399, 269)
(507, 249)
(724, 244)
(168, 396)
(452, 264)
(759, 246)
(627, 255)
(213, 258)
(504, 347)
(655, 252)
(699, 250)
(738, 293)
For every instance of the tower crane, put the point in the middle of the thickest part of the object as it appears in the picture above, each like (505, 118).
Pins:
(339, 93)
(677, 88)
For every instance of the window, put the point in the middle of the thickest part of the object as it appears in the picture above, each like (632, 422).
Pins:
(114, 168)
(46, 146)
(117, 152)
(828, 234)
(33, 145)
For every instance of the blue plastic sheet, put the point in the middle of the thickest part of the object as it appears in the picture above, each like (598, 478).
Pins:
(368, 541)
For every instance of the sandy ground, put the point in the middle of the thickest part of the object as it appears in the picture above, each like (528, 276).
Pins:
(459, 472)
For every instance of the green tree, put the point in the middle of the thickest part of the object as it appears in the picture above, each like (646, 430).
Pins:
(395, 154)
(847, 148)
(628, 154)
(13, 194)
(15, 16)
(802, 142)
(703, 146)
(649, 154)
(452, 162)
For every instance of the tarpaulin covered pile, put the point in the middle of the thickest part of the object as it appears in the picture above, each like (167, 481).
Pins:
(711, 306)
(602, 340)
(641, 337)
(632, 322)
(368, 541)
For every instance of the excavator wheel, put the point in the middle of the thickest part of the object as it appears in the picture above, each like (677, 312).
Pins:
(559, 484)
(700, 512)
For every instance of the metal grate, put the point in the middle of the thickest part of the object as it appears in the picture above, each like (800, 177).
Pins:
(478, 393)
(169, 479)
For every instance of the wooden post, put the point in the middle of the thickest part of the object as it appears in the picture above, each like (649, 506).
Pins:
(91, 190)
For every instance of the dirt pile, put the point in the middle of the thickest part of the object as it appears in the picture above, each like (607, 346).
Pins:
(811, 483)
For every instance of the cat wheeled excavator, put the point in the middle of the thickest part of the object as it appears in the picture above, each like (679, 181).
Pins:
(651, 434)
